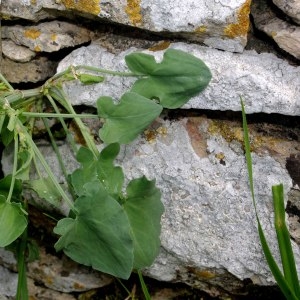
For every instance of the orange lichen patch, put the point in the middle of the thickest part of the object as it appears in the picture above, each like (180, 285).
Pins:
(53, 37)
(37, 48)
(160, 46)
(151, 134)
(33, 2)
(87, 6)
(198, 141)
(242, 26)
(32, 33)
(201, 29)
(203, 274)
(133, 10)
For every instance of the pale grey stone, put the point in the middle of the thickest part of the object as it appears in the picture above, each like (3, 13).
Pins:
(47, 36)
(8, 283)
(267, 84)
(58, 274)
(290, 7)
(15, 52)
(209, 233)
(223, 25)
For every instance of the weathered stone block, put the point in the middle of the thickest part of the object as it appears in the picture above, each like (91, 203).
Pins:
(216, 24)
(268, 84)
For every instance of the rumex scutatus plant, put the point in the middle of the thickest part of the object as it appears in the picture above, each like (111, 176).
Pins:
(112, 228)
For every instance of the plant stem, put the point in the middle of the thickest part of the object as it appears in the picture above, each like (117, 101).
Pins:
(3, 79)
(17, 95)
(62, 98)
(58, 155)
(14, 170)
(58, 115)
(46, 166)
(22, 289)
(64, 125)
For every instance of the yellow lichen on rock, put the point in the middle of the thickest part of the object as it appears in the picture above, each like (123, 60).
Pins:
(37, 49)
(201, 29)
(87, 6)
(32, 33)
(133, 10)
(160, 46)
(242, 26)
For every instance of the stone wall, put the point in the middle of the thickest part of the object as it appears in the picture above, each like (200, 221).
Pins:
(209, 235)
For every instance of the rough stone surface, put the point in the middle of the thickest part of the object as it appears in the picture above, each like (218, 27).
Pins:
(217, 24)
(8, 282)
(286, 35)
(15, 52)
(209, 235)
(47, 36)
(267, 83)
(61, 275)
(33, 71)
(291, 8)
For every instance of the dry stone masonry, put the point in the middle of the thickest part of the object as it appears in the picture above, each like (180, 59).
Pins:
(209, 237)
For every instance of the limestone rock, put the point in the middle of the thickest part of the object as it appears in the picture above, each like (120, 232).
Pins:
(15, 52)
(209, 233)
(47, 36)
(62, 275)
(268, 84)
(291, 8)
(217, 24)
(8, 282)
(287, 36)
(33, 71)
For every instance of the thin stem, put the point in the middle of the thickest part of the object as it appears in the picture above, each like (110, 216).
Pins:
(14, 171)
(98, 70)
(62, 98)
(3, 79)
(22, 288)
(58, 115)
(17, 95)
(64, 125)
(46, 166)
(58, 155)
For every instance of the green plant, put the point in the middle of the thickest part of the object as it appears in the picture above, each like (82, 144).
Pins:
(110, 228)
(288, 280)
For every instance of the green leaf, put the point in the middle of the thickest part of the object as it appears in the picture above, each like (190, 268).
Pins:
(25, 157)
(110, 176)
(12, 221)
(46, 189)
(90, 79)
(177, 78)
(5, 186)
(124, 121)
(6, 135)
(101, 169)
(99, 236)
(87, 171)
(144, 209)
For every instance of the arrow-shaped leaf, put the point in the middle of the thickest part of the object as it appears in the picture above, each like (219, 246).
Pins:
(99, 236)
(124, 121)
(177, 78)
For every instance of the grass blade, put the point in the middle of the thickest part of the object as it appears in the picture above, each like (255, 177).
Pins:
(284, 242)
(286, 285)
(143, 285)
